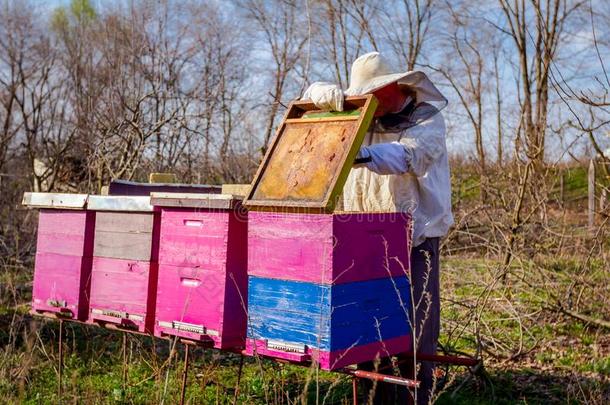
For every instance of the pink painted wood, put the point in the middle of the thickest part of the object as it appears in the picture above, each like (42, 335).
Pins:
(336, 359)
(60, 285)
(202, 289)
(121, 292)
(66, 232)
(63, 262)
(328, 248)
(124, 291)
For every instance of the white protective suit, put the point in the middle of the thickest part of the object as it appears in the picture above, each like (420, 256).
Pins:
(409, 169)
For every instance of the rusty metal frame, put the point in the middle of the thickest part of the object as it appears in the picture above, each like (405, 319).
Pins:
(356, 374)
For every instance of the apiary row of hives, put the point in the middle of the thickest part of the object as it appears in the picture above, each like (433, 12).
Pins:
(330, 288)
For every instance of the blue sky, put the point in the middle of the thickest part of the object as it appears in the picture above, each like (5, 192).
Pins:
(582, 67)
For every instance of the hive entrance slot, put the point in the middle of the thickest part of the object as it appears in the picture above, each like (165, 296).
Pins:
(286, 347)
(189, 327)
(117, 314)
(57, 303)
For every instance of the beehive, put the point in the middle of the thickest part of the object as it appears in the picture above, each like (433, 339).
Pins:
(332, 288)
(125, 260)
(202, 288)
(63, 254)
(328, 248)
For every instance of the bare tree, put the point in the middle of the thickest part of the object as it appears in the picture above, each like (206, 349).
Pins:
(536, 47)
(590, 107)
(284, 32)
(35, 104)
(407, 25)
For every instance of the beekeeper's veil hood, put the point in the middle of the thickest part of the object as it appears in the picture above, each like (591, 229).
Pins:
(370, 72)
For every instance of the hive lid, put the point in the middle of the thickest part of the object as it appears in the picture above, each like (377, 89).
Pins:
(195, 200)
(119, 203)
(55, 200)
(132, 188)
(308, 161)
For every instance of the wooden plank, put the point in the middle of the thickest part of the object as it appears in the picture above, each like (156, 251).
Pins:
(191, 295)
(320, 114)
(131, 188)
(162, 178)
(321, 119)
(194, 200)
(119, 203)
(55, 200)
(123, 245)
(236, 189)
(337, 358)
(129, 222)
(309, 159)
(290, 246)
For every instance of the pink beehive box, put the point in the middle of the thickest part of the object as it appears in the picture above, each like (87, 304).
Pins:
(124, 270)
(329, 288)
(328, 248)
(63, 254)
(202, 290)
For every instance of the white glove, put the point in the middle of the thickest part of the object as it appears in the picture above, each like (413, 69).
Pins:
(385, 158)
(326, 96)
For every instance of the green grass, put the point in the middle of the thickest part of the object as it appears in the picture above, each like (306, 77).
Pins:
(562, 361)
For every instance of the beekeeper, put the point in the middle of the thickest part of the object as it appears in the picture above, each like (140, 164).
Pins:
(402, 166)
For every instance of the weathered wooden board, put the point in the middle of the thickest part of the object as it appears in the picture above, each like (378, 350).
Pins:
(126, 222)
(193, 200)
(328, 319)
(328, 248)
(236, 189)
(331, 360)
(124, 235)
(310, 158)
(123, 245)
(55, 200)
(119, 203)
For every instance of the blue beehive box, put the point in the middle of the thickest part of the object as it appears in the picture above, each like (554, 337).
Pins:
(334, 325)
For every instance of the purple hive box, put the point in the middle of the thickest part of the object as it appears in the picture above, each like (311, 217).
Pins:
(63, 254)
(124, 271)
(328, 248)
(202, 288)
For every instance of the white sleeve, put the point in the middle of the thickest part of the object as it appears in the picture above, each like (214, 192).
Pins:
(326, 96)
(424, 144)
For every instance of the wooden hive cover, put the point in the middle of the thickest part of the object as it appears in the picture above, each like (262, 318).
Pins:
(55, 200)
(195, 200)
(310, 157)
(119, 203)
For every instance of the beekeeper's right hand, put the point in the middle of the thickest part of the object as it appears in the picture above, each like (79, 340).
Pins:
(326, 96)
